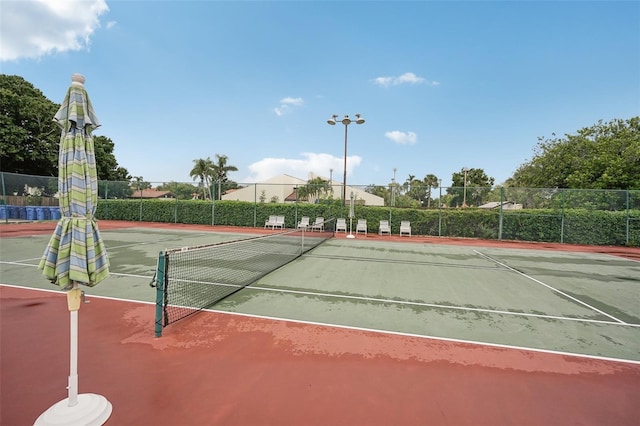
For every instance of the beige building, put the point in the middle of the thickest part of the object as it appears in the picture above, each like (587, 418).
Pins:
(282, 189)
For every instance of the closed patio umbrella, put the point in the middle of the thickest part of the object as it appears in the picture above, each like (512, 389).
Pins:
(351, 216)
(76, 254)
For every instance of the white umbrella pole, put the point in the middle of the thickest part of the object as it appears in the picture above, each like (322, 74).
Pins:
(76, 410)
(74, 298)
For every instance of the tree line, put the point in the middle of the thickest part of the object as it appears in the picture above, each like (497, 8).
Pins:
(603, 156)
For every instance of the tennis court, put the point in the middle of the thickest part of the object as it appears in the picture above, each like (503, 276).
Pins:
(371, 330)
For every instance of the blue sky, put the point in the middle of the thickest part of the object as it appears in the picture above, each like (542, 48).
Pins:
(442, 85)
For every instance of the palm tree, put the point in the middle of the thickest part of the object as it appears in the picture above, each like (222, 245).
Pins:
(219, 172)
(407, 184)
(203, 170)
(313, 189)
(430, 181)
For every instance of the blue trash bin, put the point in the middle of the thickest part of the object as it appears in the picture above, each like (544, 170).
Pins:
(55, 213)
(22, 213)
(31, 213)
(13, 212)
(40, 213)
(4, 212)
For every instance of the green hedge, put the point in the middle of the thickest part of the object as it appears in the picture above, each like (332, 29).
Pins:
(575, 226)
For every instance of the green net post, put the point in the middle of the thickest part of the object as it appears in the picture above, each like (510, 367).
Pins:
(160, 275)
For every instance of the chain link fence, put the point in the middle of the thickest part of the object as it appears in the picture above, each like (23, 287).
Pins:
(595, 217)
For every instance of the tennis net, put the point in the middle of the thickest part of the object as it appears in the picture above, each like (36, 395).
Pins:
(190, 279)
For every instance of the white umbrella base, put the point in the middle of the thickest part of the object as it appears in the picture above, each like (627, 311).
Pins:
(351, 236)
(91, 410)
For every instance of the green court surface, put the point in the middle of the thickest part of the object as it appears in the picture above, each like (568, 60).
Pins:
(575, 303)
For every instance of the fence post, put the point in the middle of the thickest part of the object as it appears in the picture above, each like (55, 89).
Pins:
(4, 197)
(501, 213)
(440, 210)
(213, 205)
(562, 216)
(106, 199)
(255, 205)
(628, 216)
(175, 211)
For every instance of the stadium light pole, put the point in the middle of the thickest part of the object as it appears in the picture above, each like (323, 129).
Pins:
(346, 121)
(464, 191)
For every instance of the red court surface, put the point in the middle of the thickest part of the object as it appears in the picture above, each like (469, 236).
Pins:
(223, 369)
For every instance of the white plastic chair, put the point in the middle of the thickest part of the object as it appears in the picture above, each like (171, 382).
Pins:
(304, 222)
(271, 222)
(405, 228)
(384, 228)
(318, 225)
(361, 226)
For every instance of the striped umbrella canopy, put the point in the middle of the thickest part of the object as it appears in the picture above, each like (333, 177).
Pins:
(75, 253)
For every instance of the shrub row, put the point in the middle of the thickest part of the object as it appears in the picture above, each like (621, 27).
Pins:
(575, 226)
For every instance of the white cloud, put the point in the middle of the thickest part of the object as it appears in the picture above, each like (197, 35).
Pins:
(402, 138)
(292, 101)
(287, 104)
(35, 28)
(406, 78)
(319, 164)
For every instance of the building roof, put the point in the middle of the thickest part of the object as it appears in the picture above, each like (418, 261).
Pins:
(151, 193)
(282, 189)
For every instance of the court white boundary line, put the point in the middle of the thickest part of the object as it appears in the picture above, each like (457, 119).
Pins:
(369, 330)
(420, 336)
(433, 305)
(550, 287)
(396, 302)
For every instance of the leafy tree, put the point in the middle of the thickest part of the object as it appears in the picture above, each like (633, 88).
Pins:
(182, 191)
(106, 163)
(203, 170)
(477, 187)
(138, 183)
(381, 191)
(603, 156)
(219, 172)
(29, 138)
(114, 189)
(420, 190)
